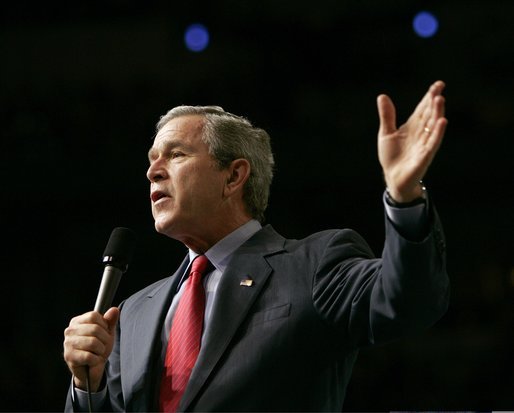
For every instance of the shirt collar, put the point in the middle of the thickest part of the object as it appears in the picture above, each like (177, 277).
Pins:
(219, 254)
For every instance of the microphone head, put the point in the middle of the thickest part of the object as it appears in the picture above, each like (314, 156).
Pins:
(119, 249)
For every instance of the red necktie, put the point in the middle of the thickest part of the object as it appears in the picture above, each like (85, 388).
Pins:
(185, 338)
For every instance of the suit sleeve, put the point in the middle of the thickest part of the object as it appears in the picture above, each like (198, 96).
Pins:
(375, 300)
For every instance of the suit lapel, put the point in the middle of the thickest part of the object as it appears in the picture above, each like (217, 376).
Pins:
(233, 301)
(144, 331)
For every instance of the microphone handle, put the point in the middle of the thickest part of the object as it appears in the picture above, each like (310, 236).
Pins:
(110, 281)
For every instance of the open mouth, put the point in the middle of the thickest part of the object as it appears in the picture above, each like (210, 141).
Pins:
(157, 195)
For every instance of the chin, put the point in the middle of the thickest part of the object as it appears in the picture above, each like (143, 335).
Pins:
(166, 225)
(162, 225)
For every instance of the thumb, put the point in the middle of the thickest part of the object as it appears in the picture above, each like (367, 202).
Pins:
(386, 114)
(111, 317)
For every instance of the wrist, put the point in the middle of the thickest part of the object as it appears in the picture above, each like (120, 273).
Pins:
(402, 200)
(94, 383)
(79, 384)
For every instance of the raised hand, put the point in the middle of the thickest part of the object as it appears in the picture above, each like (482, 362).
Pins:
(406, 152)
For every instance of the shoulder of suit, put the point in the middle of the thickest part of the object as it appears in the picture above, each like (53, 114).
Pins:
(318, 240)
(330, 244)
(328, 235)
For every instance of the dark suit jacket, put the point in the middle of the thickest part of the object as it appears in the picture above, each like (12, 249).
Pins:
(289, 341)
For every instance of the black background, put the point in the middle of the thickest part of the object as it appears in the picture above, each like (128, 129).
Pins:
(83, 84)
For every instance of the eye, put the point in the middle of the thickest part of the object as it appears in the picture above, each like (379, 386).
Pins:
(176, 154)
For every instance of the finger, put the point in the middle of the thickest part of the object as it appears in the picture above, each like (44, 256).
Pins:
(423, 104)
(425, 122)
(91, 317)
(111, 317)
(437, 135)
(426, 101)
(386, 114)
(436, 113)
(437, 87)
(439, 106)
(434, 110)
(87, 330)
(81, 358)
(87, 344)
(91, 338)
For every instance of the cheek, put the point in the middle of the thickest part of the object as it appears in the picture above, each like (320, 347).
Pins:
(197, 187)
(202, 184)
(213, 188)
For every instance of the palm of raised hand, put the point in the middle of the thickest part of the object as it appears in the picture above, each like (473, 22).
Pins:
(406, 152)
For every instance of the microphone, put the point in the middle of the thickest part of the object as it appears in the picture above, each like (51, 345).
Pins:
(116, 258)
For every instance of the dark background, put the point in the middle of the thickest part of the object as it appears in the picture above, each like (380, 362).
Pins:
(83, 84)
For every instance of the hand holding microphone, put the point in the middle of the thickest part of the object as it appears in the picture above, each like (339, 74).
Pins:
(88, 342)
(89, 338)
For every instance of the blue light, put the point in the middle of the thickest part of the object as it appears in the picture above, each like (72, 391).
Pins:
(196, 37)
(425, 24)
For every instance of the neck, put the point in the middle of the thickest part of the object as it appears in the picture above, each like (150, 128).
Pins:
(200, 243)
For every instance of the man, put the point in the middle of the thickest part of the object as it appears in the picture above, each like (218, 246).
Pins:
(282, 319)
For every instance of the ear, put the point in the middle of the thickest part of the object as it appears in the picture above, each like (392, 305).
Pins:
(238, 174)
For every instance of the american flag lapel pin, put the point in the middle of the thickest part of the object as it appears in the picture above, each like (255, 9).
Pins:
(247, 282)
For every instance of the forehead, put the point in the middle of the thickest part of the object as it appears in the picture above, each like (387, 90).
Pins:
(184, 130)
(189, 126)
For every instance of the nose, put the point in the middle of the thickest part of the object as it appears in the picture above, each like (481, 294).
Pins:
(156, 171)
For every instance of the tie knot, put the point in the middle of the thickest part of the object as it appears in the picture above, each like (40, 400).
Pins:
(200, 264)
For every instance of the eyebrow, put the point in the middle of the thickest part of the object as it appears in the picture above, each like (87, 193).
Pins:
(166, 146)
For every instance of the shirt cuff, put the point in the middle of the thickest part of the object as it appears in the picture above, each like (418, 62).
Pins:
(79, 398)
(411, 222)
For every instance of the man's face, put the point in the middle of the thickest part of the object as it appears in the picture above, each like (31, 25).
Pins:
(186, 185)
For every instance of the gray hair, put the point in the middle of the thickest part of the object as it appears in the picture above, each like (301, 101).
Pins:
(231, 137)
